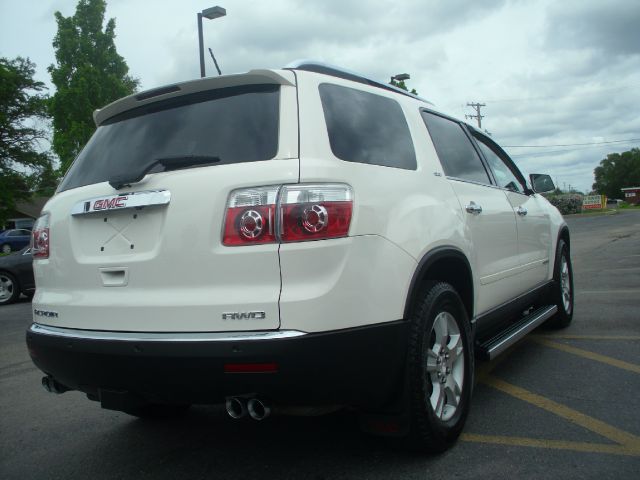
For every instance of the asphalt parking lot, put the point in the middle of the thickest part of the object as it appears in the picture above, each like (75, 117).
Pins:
(560, 404)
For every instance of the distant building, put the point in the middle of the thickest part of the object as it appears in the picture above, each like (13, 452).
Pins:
(631, 195)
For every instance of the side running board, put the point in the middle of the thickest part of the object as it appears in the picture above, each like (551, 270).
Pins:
(498, 344)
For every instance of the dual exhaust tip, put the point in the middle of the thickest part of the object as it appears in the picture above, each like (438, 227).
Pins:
(52, 386)
(239, 407)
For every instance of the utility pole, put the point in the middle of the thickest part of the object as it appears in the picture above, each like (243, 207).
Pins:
(476, 107)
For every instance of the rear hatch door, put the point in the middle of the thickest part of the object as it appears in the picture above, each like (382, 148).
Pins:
(136, 239)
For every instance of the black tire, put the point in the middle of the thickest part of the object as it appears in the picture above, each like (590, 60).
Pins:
(562, 279)
(157, 411)
(430, 429)
(9, 288)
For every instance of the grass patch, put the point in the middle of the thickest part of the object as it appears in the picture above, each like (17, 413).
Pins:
(627, 206)
(599, 211)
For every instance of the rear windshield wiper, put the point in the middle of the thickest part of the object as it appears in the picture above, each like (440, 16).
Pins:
(169, 163)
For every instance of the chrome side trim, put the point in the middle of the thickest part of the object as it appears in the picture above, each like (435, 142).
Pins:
(122, 201)
(79, 334)
(497, 348)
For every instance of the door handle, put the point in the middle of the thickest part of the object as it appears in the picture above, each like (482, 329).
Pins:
(521, 211)
(473, 208)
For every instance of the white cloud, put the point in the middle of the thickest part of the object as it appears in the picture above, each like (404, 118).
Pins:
(550, 72)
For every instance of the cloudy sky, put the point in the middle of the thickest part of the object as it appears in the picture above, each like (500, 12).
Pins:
(551, 73)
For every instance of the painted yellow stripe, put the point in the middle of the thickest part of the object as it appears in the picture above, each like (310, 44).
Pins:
(590, 423)
(633, 291)
(631, 367)
(551, 444)
(588, 337)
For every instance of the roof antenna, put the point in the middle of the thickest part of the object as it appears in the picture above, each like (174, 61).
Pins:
(214, 61)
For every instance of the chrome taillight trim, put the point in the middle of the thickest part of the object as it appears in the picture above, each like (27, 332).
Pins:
(122, 201)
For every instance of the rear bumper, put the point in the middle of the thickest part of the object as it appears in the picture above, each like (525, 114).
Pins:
(362, 367)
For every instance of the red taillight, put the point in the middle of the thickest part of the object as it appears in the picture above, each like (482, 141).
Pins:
(249, 225)
(250, 217)
(315, 212)
(40, 247)
(291, 213)
(315, 221)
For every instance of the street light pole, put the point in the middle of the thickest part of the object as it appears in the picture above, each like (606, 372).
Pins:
(201, 43)
(210, 13)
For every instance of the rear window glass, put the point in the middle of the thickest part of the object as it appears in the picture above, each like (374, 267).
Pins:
(236, 124)
(366, 128)
(458, 157)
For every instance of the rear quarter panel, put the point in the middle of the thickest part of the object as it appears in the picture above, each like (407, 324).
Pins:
(399, 215)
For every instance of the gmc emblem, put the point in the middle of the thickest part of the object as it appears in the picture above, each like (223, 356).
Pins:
(244, 316)
(109, 203)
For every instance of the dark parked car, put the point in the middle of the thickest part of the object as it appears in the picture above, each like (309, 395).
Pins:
(16, 276)
(12, 240)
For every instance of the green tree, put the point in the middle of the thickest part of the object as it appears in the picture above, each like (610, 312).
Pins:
(88, 74)
(618, 170)
(23, 108)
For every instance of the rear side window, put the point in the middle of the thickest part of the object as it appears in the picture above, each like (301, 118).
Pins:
(366, 128)
(458, 157)
(236, 124)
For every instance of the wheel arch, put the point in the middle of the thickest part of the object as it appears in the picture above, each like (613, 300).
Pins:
(563, 234)
(444, 263)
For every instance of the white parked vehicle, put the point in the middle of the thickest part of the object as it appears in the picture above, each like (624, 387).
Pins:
(293, 240)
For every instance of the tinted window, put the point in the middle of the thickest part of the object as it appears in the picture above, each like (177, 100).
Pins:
(504, 176)
(237, 124)
(459, 158)
(366, 128)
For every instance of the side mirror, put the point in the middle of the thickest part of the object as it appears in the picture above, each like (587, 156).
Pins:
(542, 183)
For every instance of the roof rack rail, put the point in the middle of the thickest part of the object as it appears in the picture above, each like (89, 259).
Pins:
(334, 71)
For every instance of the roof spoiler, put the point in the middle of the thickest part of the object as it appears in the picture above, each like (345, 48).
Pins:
(253, 77)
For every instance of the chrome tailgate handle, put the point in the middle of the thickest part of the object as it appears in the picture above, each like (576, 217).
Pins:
(521, 211)
(122, 201)
(473, 208)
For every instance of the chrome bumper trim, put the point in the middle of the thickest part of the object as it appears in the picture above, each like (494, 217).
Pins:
(79, 334)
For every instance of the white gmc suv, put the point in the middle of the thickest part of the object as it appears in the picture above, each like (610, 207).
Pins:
(293, 241)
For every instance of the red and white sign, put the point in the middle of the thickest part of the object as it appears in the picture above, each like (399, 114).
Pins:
(593, 202)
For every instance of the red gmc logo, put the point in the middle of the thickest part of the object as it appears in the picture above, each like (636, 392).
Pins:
(107, 204)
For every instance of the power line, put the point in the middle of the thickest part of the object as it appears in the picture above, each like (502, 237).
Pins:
(594, 92)
(572, 144)
(550, 152)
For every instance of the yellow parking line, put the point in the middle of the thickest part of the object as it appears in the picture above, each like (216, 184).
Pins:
(588, 337)
(551, 444)
(626, 443)
(616, 435)
(632, 291)
(587, 354)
